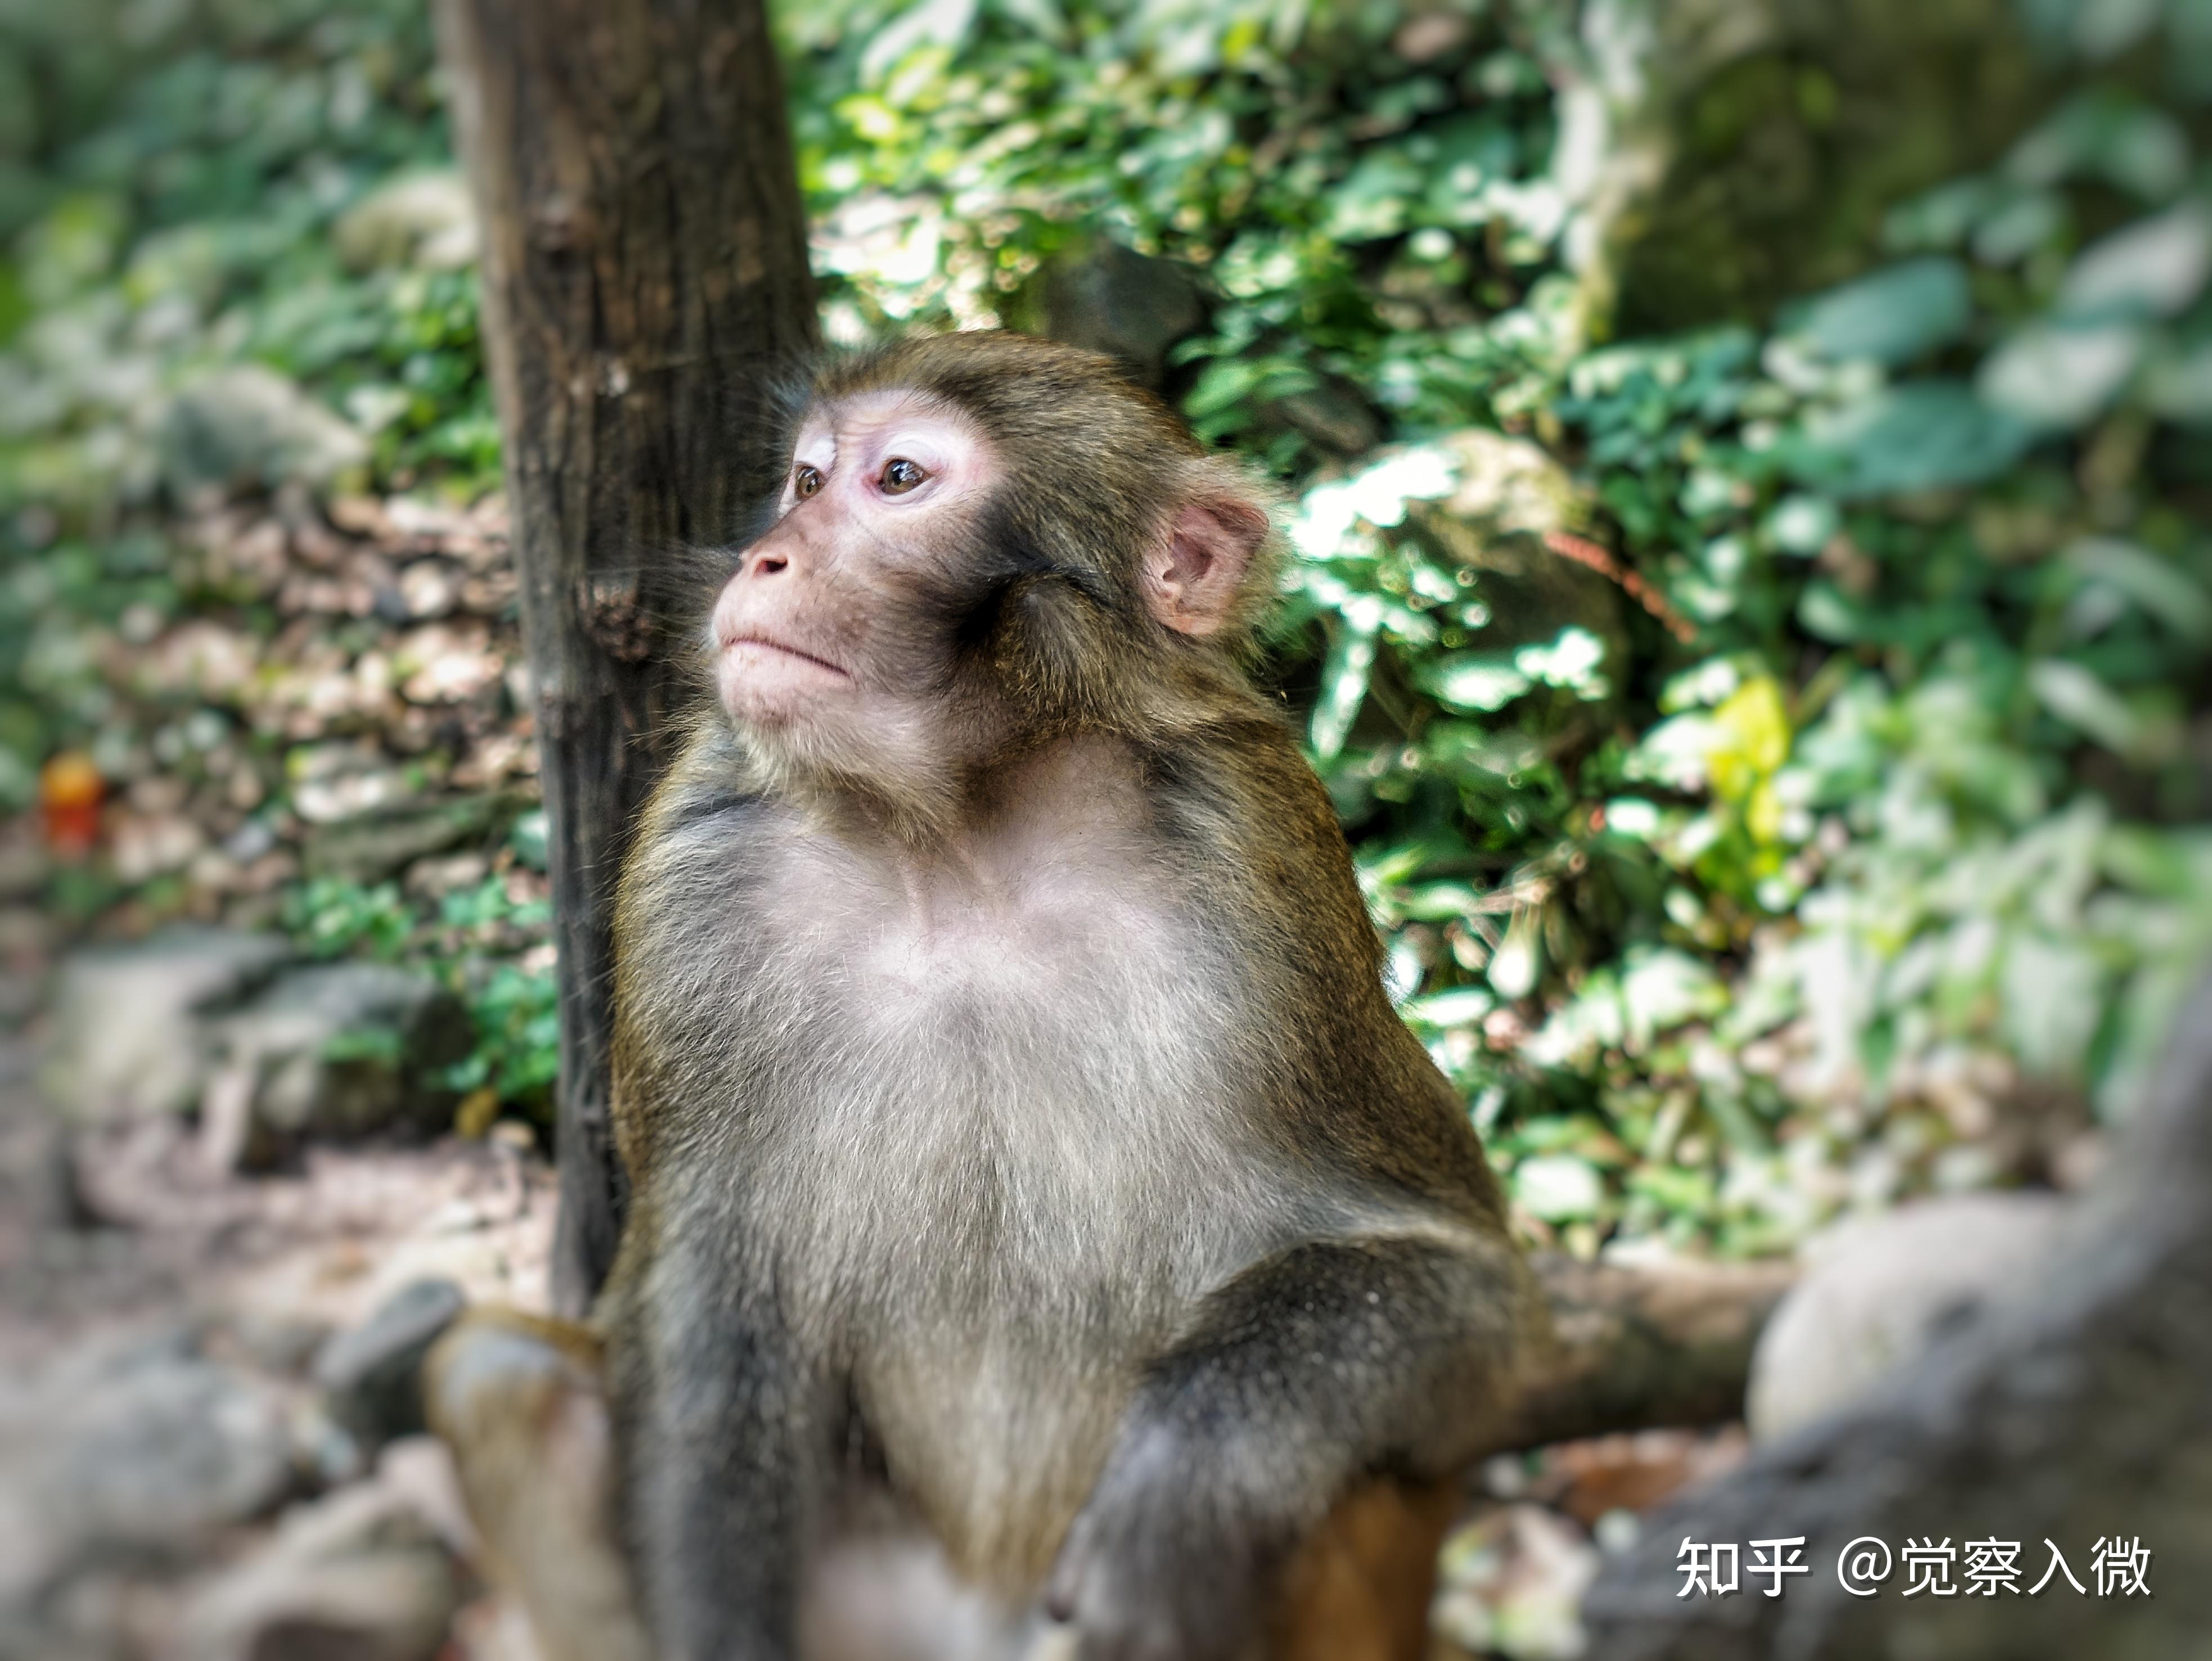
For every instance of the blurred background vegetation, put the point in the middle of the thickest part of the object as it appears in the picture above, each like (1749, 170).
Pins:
(1752, 515)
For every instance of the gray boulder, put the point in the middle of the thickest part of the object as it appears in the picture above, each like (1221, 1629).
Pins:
(373, 1372)
(1107, 298)
(249, 427)
(330, 1051)
(371, 846)
(128, 1039)
(360, 1575)
(1331, 414)
(1876, 1291)
(1508, 499)
(142, 1458)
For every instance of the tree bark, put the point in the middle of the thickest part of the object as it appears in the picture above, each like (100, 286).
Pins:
(644, 267)
(2074, 1410)
(1644, 1345)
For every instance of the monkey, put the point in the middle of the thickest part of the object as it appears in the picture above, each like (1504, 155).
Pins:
(1028, 1172)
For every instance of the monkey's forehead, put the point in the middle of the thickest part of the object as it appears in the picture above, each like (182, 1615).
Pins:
(855, 413)
(1017, 388)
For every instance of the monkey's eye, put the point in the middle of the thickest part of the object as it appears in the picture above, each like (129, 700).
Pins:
(901, 476)
(806, 480)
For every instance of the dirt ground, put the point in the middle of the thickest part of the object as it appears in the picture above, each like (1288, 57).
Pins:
(138, 1287)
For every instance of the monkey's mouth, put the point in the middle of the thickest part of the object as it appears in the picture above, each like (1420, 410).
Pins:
(776, 650)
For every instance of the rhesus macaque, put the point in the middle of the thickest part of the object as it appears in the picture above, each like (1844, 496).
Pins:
(1033, 1192)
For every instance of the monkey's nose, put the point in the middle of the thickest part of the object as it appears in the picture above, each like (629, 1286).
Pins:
(766, 564)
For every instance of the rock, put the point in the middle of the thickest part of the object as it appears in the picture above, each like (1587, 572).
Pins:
(371, 846)
(146, 1456)
(333, 1049)
(1331, 414)
(1508, 495)
(421, 1471)
(1508, 486)
(1427, 35)
(429, 588)
(342, 779)
(373, 1373)
(58, 1202)
(146, 845)
(423, 219)
(360, 1575)
(1877, 1288)
(1111, 299)
(449, 662)
(198, 657)
(248, 427)
(435, 878)
(128, 1040)
(278, 1342)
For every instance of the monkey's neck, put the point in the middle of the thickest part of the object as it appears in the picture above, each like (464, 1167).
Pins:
(1070, 802)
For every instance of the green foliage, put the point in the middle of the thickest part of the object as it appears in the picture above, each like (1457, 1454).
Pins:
(1360, 215)
(1764, 873)
(512, 1000)
(332, 918)
(198, 190)
(516, 1010)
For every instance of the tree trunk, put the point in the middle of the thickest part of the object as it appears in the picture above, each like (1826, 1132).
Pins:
(644, 265)
(2074, 1410)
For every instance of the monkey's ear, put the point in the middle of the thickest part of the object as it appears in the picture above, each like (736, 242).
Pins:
(1193, 574)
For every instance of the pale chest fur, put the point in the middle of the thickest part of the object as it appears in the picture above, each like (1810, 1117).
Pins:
(1004, 1139)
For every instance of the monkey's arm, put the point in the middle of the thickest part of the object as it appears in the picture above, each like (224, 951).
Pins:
(721, 1428)
(1329, 1363)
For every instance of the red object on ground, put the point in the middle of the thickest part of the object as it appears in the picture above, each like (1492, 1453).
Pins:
(71, 790)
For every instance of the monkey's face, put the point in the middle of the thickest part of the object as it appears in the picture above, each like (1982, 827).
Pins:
(984, 542)
(830, 641)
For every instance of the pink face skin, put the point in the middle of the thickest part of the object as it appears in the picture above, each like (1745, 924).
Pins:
(875, 484)
(823, 653)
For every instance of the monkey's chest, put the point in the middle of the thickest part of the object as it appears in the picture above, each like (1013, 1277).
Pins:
(1007, 1182)
(1044, 1099)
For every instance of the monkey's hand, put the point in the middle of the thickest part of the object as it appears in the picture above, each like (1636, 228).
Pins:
(1174, 1555)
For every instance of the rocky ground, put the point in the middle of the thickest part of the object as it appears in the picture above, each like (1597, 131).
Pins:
(328, 690)
(208, 1443)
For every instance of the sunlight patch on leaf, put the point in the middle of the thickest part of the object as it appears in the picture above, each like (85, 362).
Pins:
(1326, 519)
(1343, 680)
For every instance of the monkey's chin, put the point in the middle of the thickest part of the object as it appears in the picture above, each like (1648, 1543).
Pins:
(765, 685)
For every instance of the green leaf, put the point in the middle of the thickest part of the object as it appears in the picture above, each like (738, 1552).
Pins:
(1460, 1007)
(1557, 1187)
(2162, 588)
(1519, 960)
(1922, 435)
(2077, 696)
(1344, 682)
(1479, 682)
(2055, 375)
(2154, 268)
(1890, 317)
(2053, 1003)
(1802, 524)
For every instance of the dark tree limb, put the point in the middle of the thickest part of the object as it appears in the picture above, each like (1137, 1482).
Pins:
(1639, 1346)
(644, 265)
